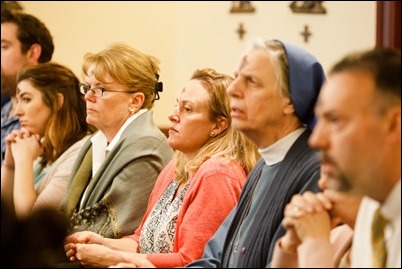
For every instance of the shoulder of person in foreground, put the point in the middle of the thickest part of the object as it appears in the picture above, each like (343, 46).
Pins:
(36, 241)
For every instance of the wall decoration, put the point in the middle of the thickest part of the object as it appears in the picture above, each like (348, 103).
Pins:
(242, 7)
(241, 31)
(309, 7)
(306, 33)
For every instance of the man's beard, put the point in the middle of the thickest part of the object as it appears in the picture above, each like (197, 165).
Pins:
(8, 84)
(338, 180)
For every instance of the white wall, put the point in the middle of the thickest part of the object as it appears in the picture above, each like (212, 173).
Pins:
(190, 35)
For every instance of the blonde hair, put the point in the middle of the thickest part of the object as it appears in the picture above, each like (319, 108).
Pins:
(230, 144)
(127, 66)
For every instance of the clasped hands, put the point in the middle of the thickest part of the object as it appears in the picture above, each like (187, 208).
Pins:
(89, 249)
(307, 217)
(21, 144)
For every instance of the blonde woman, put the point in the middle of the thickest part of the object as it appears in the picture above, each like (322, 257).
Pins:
(117, 168)
(195, 191)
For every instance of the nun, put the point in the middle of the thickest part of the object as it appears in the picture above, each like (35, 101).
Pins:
(272, 102)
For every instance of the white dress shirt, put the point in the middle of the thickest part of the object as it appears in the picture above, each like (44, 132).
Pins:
(361, 247)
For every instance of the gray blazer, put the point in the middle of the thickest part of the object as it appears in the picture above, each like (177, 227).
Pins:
(117, 195)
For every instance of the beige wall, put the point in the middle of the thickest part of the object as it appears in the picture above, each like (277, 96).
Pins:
(190, 35)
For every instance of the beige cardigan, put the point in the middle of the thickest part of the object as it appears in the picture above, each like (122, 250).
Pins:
(53, 186)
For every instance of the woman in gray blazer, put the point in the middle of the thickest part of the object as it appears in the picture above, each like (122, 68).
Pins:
(116, 169)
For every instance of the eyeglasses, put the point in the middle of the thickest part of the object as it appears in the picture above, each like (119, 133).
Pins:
(98, 92)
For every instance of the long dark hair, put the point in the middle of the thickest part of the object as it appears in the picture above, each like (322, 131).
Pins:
(67, 124)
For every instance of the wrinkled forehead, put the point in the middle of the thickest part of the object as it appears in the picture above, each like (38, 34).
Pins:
(256, 59)
(194, 90)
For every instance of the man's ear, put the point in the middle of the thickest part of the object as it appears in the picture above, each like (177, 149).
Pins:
(33, 54)
(394, 123)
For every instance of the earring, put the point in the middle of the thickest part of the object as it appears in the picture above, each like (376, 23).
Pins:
(212, 134)
(132, 110)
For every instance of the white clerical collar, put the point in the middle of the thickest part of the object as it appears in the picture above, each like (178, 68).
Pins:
(276, 152)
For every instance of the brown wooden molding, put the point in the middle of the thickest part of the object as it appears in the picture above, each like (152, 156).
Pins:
(388, 24)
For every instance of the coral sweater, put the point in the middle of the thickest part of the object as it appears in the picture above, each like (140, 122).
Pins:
(213, 192)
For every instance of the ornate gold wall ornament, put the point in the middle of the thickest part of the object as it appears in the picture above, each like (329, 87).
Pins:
(242, 7)
(309, 7)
